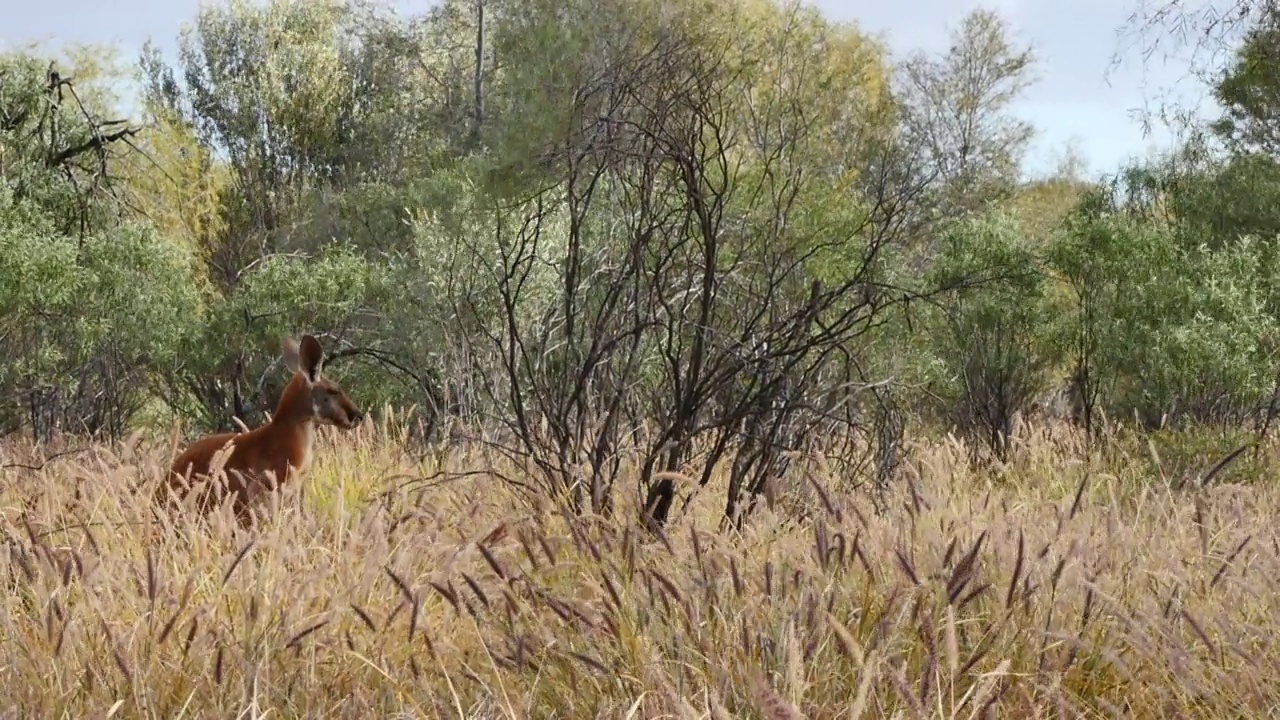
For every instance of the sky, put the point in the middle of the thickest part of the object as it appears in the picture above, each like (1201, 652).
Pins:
(1075, 102)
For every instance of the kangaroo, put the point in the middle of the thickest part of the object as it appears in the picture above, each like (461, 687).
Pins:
(261, 459)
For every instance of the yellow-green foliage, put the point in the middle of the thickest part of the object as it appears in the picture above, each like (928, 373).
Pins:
(176, 184)
(433, 589)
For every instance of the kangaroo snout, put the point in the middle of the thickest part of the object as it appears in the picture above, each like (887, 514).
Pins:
(354, 418)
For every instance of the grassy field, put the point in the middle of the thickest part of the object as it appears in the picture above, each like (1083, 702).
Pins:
(1059, 588)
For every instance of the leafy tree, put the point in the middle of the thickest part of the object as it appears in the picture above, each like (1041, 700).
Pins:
(1043, 205)
(1249, 89)
(956, 110)
(1099, 256)
(1167, 323)
(275, 297)
(992, 348)
(94, 302)
(89, 323)
(707, 220)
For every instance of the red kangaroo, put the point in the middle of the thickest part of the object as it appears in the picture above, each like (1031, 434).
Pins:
(261, 459)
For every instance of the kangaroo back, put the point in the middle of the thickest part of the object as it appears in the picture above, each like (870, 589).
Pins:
(270, 455)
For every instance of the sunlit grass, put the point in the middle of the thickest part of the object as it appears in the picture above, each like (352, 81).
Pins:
(416, 587)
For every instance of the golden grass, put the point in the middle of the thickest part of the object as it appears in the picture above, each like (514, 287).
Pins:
(384, 596)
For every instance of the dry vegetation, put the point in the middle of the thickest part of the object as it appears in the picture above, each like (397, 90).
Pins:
(390, 595)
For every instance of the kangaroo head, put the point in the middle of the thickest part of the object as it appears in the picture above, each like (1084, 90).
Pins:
(328, 404)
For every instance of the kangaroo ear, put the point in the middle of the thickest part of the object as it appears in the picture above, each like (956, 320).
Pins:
(292, 354)
(311, 357)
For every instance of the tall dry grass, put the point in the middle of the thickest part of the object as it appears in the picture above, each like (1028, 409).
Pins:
(1058, 588)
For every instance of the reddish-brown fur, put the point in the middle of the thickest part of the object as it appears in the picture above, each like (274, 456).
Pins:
(276, 452)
